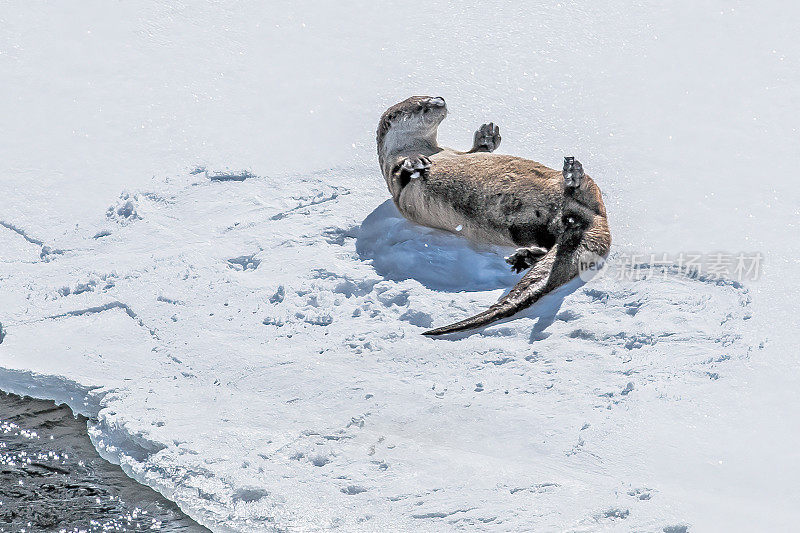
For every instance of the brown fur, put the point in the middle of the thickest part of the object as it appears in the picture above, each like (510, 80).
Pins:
(497, 199)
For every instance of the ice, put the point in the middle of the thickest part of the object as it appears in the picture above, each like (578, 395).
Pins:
(198, 252)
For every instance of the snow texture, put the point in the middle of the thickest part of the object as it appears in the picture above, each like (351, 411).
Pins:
(321, 402)
(198, 253)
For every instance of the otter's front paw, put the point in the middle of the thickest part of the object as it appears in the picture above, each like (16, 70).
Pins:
(487, 138)
(524, 258)
(573, 173)
(413, 167)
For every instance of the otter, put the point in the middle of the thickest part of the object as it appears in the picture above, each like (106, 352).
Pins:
(556, 220)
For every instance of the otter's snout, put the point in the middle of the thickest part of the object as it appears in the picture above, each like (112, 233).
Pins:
(436, 101)
(433, 110)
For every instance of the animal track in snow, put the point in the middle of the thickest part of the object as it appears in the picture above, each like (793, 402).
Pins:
(227, 176)
(306, 202)
(244, 262)
(641, 494)
(345, 285)
(417, 318)
(125, 210)
(351, 490)
(676, 529)
(249, 495)
(615, 513)
(538, 488)
(339, 236)
(102, 282)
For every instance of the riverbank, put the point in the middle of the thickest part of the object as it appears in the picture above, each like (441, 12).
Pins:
(52, 478)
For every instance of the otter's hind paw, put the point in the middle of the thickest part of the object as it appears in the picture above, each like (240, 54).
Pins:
(573, 173)
(487, 138)
(524, 258)
(413, 167)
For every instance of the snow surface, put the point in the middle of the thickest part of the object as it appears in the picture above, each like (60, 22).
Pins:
(196, 251)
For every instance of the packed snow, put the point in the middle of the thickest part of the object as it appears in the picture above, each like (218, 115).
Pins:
(198, 252)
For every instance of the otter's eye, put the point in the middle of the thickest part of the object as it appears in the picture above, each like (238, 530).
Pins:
(570, 221)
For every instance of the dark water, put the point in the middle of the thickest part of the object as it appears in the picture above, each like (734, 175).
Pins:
(52, 478)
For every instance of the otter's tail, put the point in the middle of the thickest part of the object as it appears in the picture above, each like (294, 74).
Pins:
(561, 264)
(533, 285)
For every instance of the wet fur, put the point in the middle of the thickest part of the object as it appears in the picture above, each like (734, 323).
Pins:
(497, 199)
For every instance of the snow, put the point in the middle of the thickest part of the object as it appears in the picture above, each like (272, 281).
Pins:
(400, 250)
(197, 251)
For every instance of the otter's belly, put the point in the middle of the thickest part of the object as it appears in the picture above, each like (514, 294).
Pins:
(502, 217)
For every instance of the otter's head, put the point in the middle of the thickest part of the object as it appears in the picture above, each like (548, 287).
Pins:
(414, 121)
